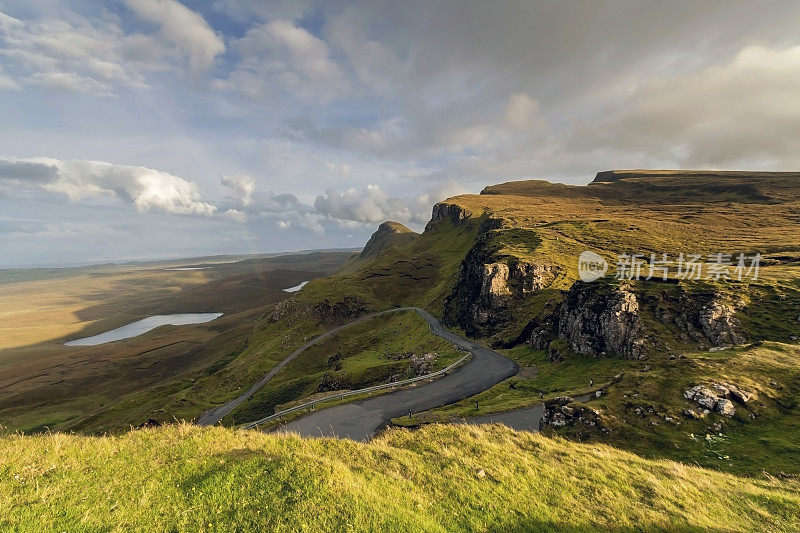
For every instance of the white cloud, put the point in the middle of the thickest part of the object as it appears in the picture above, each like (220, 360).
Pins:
(372, 205)
(78, 55)
(187, 30)
(146, 189)
(242, 186)
(235, 214)
(281, 58)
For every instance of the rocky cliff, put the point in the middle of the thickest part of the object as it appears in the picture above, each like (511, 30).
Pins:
(606, 318)
(444, 211)
(491, 284)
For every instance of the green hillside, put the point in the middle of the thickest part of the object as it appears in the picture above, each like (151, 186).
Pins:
(441, 478)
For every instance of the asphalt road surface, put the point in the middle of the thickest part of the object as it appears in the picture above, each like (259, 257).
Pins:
(361, 420)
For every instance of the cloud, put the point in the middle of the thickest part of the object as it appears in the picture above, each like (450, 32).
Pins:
(74, 55)
(187, 30)
(242, 186)
(235, 214)
(745, 111)
(372, 205)
(7, 83)
(146, 189)
(521, 110)
(339, 169)
(70, 52)
(278, 59)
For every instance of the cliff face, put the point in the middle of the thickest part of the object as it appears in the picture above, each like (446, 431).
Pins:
(489, 284)
(599, 322)
(518, 281)
(629, 320)
(598, 319)
(444, 211)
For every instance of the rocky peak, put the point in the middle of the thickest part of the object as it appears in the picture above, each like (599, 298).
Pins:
(387, 234)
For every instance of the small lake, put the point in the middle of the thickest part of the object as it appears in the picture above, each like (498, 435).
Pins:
(134, 329)
(296, 287)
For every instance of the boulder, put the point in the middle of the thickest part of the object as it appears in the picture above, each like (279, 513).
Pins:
(560, 412)
(741, 396)
(716, 398)
(725, 407)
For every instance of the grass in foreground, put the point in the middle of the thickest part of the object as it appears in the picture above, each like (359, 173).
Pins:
(440, 478)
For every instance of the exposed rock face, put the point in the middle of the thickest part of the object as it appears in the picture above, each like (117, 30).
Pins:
(716, 397)
(559, 412)
(325, 312)
(347, 309)
(447, 212)
(599, 320)
(501, 284)
(719, 324)
(489, 287)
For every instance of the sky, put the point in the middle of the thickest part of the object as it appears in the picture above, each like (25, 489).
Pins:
(142, 129)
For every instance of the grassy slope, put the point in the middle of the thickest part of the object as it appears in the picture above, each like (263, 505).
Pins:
(191, 479)
(418, 273)
(551, 224)
(353, 359)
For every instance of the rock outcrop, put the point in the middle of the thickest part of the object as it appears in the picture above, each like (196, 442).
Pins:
(339, 312)
(442, 212)
(719, 324)
(326, 312)
(561, 412)
(716, 397)
(490, 286)
(599, 320)
(605, 319)
(423, 364)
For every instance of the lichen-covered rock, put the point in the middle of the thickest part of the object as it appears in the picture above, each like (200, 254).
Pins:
(741, 396)
(725, 407)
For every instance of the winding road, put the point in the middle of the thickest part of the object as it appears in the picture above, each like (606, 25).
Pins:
(361, 420)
